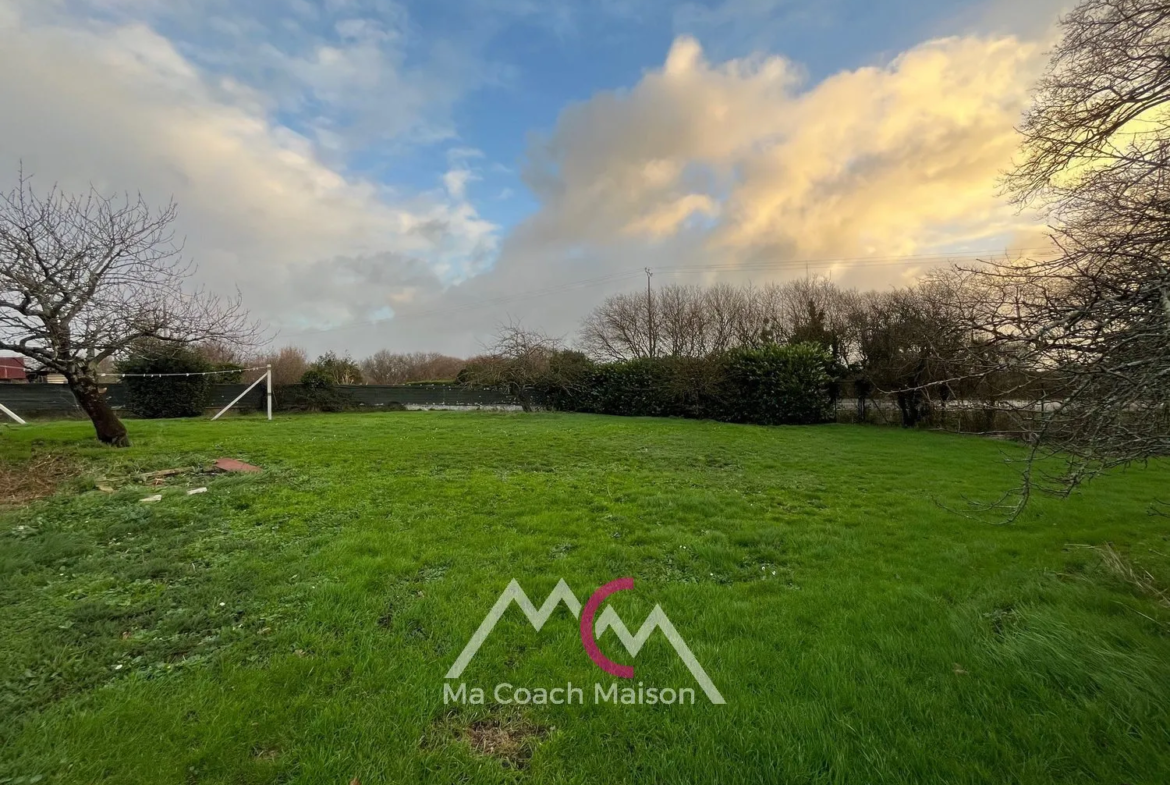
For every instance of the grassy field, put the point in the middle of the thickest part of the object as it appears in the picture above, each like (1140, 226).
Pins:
(296, 625)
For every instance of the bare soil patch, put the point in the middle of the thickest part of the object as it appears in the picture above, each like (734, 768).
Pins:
(22, 482)
(509, 738)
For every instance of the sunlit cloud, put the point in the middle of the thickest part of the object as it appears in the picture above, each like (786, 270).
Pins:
(891, 159)
(707, 162)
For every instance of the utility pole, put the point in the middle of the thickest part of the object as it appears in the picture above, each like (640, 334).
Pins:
(650, 312)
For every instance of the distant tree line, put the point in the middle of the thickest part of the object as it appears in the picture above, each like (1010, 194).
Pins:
(900, 342)
(291, 363)
(907, 344)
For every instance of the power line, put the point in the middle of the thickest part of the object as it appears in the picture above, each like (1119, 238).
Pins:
(860, 261)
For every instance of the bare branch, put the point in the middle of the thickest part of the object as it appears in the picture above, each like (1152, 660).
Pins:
(83, 278)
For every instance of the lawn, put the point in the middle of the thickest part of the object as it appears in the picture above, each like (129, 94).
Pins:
(295, 626)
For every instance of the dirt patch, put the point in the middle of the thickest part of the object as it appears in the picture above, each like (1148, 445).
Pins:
(179, 475)
(510, 739)
(26, 481)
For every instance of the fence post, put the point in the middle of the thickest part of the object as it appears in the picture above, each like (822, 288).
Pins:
(268, 395)
(251, 387)
(12, 414)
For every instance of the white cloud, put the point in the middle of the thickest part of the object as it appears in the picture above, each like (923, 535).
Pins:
(460, 171)
(699, 163)
(345, 71)
(119, 106)
(456, 180)
(735, 164)
(882, 160)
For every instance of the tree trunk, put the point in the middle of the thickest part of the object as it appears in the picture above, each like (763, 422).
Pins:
(521, 391)
(110, 429)
(903, 408)
(910, 405)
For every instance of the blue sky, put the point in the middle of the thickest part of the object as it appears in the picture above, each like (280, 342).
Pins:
(341, 160)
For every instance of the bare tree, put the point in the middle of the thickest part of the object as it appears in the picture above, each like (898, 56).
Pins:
(288, 365)
(219, 354)
(906, 339)
(760, 322)
(618, 329)
(1091, 327)
(517, 359)
(82, 278)
(692, 321)
(682, 321)
(724, 305)
(384, 367)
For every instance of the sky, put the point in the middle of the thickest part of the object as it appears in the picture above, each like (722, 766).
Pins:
(410, 175)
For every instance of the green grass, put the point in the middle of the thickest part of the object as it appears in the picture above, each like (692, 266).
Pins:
(295, 626)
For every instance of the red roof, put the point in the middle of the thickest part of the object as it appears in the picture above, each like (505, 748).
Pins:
(12, 368)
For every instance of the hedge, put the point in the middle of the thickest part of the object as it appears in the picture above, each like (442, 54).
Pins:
(166, 395)
(779, 385)
(773, 385)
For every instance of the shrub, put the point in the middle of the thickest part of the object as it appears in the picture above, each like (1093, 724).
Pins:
(663, 387)
(316, 379)
(312, 398)
(769, 386)
(778, 385)
(695, 386)
(567, 382)
(340, 370)
(166, 396)
(637, 388)
(317, 392)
